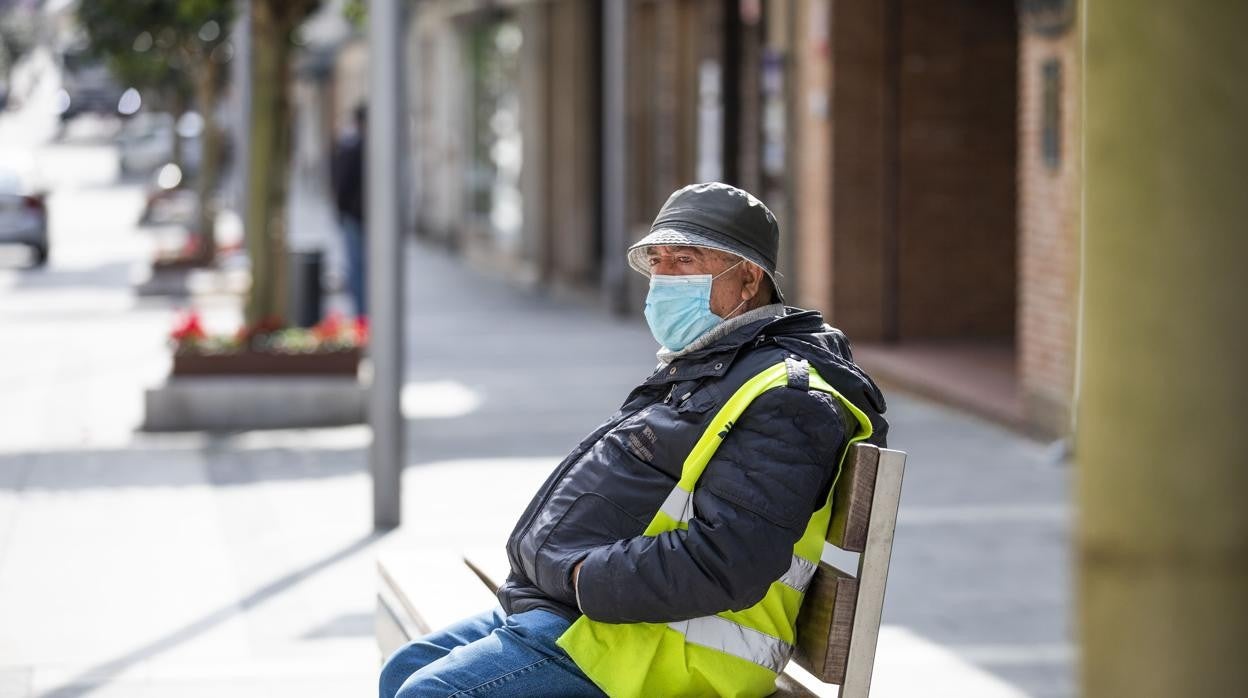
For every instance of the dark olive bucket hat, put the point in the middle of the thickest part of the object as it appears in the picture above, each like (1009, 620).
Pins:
(716, 216)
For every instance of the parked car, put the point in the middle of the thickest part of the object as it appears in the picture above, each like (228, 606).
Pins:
(145, 143)
(23, 216)
(87, 87)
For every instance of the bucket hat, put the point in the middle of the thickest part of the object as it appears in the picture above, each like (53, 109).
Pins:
(715, 216)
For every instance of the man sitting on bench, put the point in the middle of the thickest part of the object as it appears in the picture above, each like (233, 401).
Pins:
(670, 551)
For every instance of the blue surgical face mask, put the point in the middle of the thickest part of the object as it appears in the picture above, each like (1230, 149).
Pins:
(678, 308)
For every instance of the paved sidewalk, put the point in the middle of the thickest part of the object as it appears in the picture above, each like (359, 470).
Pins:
(242, 564)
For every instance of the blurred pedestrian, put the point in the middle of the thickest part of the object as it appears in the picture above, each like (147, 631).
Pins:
(347, 174)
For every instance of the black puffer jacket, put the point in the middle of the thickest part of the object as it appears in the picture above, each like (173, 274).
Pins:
(752, 502)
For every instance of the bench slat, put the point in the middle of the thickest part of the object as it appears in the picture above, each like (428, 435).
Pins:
(851, 510)
(788, 687)
(421, 593)
(824, 625)
(490, 565)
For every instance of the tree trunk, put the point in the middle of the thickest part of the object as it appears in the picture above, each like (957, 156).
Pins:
(1163, 525)
(206, 92)
(268, 162)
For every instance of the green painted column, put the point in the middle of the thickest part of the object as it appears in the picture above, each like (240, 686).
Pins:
(1162, 445)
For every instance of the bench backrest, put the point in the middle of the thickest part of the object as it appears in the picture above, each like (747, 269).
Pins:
(839, 624)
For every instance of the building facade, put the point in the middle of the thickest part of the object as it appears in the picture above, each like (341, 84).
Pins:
(920, 156)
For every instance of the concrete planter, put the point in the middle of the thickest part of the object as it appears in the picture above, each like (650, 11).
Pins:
(239, 403)
(257, 390)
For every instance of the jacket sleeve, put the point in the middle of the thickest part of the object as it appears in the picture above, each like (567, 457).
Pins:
(750, 507)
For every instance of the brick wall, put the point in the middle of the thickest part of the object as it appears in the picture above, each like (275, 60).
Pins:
(1048, 219)
(863, 140)
(907, 188)
(935, 116)
(956, 230)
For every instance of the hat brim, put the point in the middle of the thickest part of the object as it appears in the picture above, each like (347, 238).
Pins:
(685, 238)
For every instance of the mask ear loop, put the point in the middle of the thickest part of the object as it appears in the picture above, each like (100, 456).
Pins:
(727, 270)
(734, 310)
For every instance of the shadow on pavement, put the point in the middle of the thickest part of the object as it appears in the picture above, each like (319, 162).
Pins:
(99, 675)
(217, 458)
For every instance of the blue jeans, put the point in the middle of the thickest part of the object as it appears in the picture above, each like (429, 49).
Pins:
(353, 241)
(489, 654)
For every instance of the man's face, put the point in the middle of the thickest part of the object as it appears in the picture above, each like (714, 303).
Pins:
(728, 292)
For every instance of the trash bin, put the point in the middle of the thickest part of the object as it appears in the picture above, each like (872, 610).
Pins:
(304, 274)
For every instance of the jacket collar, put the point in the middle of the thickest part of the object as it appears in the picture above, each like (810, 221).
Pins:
(716, 358)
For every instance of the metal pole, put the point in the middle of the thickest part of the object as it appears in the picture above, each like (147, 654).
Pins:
(385, 256)
(615, 153)
(873, 574)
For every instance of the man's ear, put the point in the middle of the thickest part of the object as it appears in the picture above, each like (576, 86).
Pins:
(753, 281)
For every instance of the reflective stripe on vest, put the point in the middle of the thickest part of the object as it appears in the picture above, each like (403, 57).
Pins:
(733, 653)
(746, 643)
(736, 639)
(801, 571)
(678, 505)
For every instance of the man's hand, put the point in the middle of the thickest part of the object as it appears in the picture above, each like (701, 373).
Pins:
(576, 574)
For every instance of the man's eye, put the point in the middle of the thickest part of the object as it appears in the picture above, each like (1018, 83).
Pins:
(685, 260)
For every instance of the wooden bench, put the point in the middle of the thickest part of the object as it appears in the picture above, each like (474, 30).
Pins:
(837, 629)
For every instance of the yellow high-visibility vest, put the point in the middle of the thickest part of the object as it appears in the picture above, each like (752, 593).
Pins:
(732, 653)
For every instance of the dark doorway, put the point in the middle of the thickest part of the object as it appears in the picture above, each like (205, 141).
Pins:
(955, 169)
(951, 232)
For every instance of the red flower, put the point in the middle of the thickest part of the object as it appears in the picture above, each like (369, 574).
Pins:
(330, 327)
(190, 248)
(361, 330)
(187, 327)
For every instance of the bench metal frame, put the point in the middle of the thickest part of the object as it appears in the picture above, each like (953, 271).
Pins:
(873, 573)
